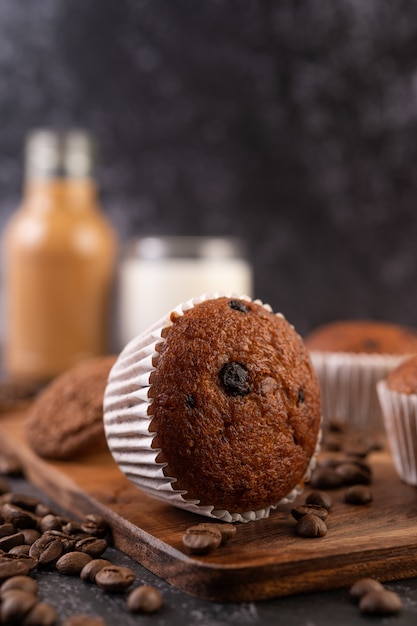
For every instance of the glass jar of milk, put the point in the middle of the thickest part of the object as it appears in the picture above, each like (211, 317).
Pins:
(158, 273)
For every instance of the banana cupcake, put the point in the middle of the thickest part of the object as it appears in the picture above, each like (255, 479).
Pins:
(350, 357)
(398, 397)
(216, 409)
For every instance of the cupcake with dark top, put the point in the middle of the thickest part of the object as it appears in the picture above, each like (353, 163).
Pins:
(398, 397)
(216, 409)
(350, 357)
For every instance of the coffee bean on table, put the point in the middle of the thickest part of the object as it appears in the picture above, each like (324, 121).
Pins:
(92, 545)
(72, 563)
(311, 526)
(15, 603)
(324, 477)
(114, 578)
(13, 566)
(320, 498)
(47, 549)
(144, 599)
(227, 530)
(89, 571)
(358, 494)
(200, 540)
(27, 583)
(380, 602)
(353, 474)
(6, 543)
(363, 586)
(310, 509)
(42, 614)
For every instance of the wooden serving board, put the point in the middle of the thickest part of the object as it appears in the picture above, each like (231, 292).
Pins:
(265, 559)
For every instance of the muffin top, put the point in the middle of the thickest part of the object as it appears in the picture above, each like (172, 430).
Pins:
(235, 405)
(363, 336)
(403, 378)
(66, 419)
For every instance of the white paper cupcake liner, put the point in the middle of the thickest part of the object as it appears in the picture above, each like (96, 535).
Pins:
(126, 423)
(348, 386)
(399, 411)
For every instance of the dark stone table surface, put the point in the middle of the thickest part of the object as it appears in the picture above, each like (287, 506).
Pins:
(71, 596)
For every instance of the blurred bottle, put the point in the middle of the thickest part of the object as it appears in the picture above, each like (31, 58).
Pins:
(59, 260)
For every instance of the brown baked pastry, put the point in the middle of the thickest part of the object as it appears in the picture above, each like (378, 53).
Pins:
(66, 419)
(397, 394)
(403, 378)
(350, 357)
(234, 410)
(363, 336)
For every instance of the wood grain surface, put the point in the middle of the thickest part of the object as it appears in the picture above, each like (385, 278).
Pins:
(266, 558)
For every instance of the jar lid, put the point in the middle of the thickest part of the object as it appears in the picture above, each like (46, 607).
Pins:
(49, 153)
(173, 246)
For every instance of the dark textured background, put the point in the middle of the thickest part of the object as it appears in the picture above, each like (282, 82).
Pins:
(292, 124)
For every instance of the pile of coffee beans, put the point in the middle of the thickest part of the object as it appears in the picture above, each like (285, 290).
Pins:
(311, 517)
(374, 599)
(33, 538)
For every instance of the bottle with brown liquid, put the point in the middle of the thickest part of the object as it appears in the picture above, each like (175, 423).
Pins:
(59, 254)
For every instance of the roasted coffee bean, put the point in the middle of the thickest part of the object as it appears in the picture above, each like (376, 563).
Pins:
(71, 563)
(358, 494)
(30, 535)
(13, 566)
(114, 578)
(50, 522)
(22, 550)
(380, 602)
(363, 586)
(144, 599)
(10, 465)
(353, 474)
(72, 527)
(325, 477)
(199, 540)
(227, 531)
(311, 526)
(6, 543)
(4, 486)
(26, 583)
(7, 529)
(95, 525)
(68, 541)
(234, 377)
(89, 571)
(92, 546)
(310, 509)
(15, 604)
(23, 501)
(47, 549)
(319, 498)
(18, 516)
(42, 509)
(41, 614)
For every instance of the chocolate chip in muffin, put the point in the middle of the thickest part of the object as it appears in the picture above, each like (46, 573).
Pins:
(238, 305)
(234, 377)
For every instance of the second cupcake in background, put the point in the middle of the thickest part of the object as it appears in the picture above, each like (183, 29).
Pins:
(398, 397)
(350, 357)
(216, 409)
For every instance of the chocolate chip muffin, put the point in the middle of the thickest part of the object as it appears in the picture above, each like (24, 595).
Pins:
(363, 336)
(229, 405)
(403, 378)
(397, 394)
(66, 419)
(350, 357)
